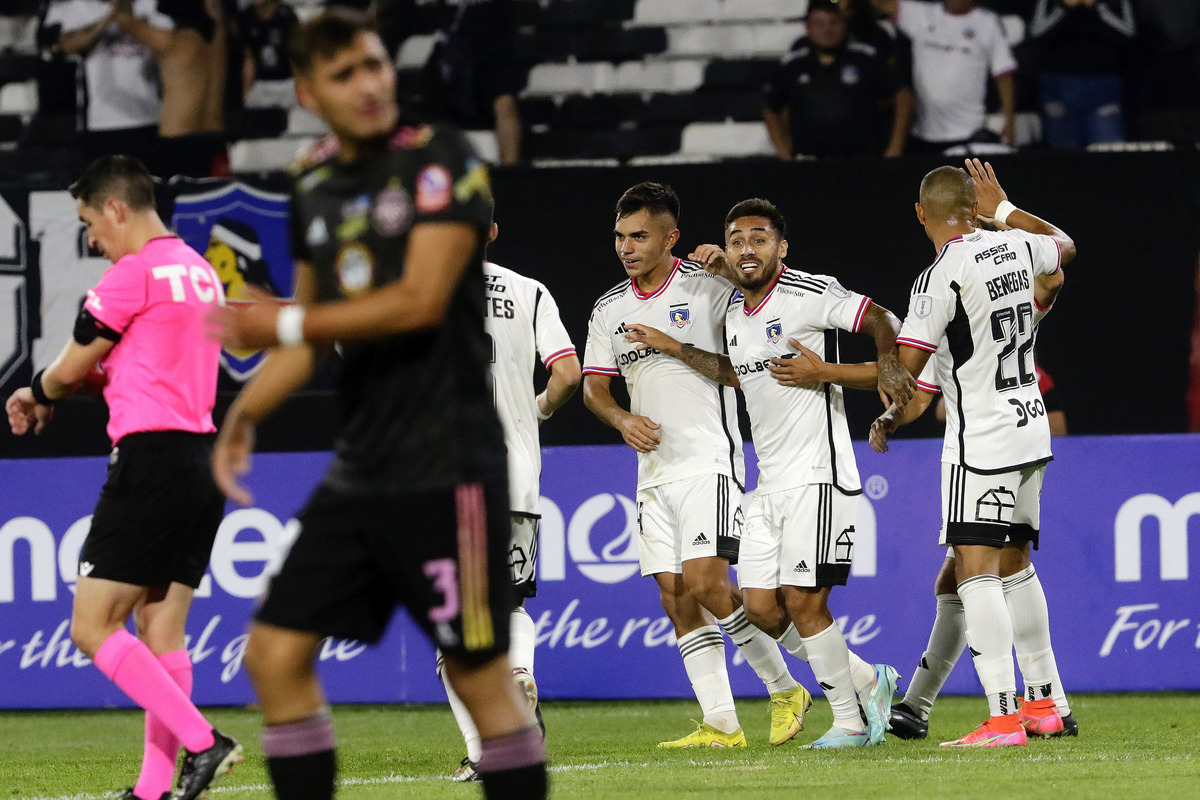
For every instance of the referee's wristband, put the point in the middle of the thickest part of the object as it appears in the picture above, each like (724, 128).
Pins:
(39, 392)
(1002, 211)
(537, 406)
(289, 326)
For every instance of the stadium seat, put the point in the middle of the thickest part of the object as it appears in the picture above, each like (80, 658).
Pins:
(19, 98)
(600, 111)
(266, 155)
(727, 139)
(1028, 127)
(1014, 29)
(659, 76)
(254, 123)
(570, 78)
(703, 106)
(302, 122)
(774, 10)
(617, 144)
(724, 74)
(14, 67)
(673, 12)
(414, 52)
(11, 127)
(485, 145)
(584, 13)
(746, 40)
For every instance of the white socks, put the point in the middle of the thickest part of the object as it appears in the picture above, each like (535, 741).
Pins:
(522, 635)
(990, 636)
(946, 643)
(470, 733)
(1031, 637)
(830, 661)
(760, 650)
(703, 652)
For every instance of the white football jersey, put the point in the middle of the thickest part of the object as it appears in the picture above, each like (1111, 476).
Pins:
(699, 433)
(974, 308)
(800, 433)
(522, 320)
(954, 57)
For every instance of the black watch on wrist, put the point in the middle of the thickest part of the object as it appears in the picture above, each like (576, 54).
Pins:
(39, 393)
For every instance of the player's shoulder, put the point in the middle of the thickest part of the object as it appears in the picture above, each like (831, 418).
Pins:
(805, 282)
(610, 297)
(312, 164)
(696, 277)
(736, 301)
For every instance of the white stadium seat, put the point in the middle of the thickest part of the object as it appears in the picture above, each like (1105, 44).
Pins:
(745, 10)
(415, 50)
(485, 145)
(732, 139)
(19, 98)
(659, 76)
(266, 155)
(570, 78)
(302, 122)
(1014, 29)
(674, 12)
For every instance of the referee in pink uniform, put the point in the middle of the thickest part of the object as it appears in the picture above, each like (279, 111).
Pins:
(141, 335)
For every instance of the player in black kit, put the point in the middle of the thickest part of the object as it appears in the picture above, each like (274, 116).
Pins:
(389, 227)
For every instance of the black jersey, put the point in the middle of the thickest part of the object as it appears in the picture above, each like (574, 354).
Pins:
(266, 40)
(418, 406)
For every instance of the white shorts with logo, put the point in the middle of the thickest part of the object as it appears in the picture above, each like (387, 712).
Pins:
(522, 554)
(697, 517)
(991, 509)
(798, 537)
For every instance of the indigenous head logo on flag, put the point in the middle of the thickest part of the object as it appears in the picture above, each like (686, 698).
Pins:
(680, 316)
(774, 330)
(243, 232)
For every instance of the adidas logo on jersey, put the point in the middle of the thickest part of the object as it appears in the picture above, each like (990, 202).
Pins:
(85, 568)
(621, 329)
(733, 341)
(802, 567)
(701, 539)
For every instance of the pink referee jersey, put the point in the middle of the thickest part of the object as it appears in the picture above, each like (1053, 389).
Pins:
(162, 374)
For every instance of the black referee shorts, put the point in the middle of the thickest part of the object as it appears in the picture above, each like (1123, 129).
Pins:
(158, 512)
(442, 553)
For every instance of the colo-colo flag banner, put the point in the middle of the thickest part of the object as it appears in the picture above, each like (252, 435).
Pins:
(1116, 560)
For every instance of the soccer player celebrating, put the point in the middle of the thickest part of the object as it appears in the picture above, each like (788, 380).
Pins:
(140, 335)
(690, 470)
(523, 324)
(389, 233)
(799, 535)
(970, 333)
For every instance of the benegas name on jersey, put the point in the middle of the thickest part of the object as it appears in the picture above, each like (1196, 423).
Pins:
(1009, 282)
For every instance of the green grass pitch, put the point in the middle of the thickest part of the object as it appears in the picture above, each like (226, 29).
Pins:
(1131, 746)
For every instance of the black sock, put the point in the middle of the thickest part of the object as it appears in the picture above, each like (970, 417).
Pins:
(306, 777)
(521, 783)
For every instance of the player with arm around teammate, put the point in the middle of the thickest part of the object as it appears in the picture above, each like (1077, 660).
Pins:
(690, 464)
(389, 231)
(799, 535)
(970, 333)
(141, 335)
(523, 324)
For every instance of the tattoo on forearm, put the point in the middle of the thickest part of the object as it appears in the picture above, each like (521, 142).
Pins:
(711, 365)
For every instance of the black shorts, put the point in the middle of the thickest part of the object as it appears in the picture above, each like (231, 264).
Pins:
(158, 512)
(442, 553)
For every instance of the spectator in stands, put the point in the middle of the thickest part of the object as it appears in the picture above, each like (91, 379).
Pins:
(1082, 46)
(471, 77)
(956, 46)
(191, 66)
(864, 26)
(265, 26)
(829, 97)
(118, 71)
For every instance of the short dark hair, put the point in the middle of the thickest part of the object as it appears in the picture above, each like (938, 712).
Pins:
(758, 207)
(823, 5)
(325, 35)
(657, 198)
(947, 192)
(123, 177)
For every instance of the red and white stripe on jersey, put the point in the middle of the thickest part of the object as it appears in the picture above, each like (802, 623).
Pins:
(640, 295)
(917, 343)
(561, 354)
(862, 312)
(613, 371)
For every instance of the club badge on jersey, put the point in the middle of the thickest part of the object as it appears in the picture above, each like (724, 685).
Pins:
(680, 316)
(774, 331)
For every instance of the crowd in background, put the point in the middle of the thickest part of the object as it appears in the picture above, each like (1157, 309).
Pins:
(178, 79)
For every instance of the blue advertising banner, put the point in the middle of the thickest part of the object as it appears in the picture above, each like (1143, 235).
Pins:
(1114, 561)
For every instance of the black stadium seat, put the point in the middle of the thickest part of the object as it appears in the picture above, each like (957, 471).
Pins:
(749, 74)
(704, 106)
(599, 111)
(620, 144)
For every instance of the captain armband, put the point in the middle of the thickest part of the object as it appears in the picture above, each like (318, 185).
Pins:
(88, 329)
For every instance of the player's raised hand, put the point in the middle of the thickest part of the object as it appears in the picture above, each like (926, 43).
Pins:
(712, 258)
(231, 460)
(640, 433)
(802, 368)
(987, 188)
(247, 325)
(646, 337)
(881, 429)
(895, 380)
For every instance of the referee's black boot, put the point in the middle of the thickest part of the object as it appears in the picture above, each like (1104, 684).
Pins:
(906, 724)
(129, 795)
(201, 770)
